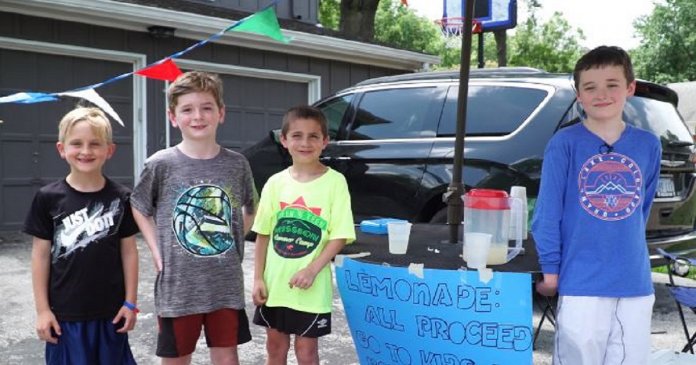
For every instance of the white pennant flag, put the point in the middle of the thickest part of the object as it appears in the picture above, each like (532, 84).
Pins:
(96, 99)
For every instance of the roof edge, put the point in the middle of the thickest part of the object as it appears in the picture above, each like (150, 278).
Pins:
(134, 17)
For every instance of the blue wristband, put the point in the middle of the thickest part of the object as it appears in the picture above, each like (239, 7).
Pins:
(131, 306)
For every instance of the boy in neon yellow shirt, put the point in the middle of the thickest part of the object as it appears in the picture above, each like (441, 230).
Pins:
(304, 219)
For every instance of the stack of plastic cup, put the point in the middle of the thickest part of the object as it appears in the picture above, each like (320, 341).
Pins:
(519, 192)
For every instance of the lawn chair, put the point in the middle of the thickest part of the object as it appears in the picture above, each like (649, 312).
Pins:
(685, 296)
(546, 305)
(548, 312)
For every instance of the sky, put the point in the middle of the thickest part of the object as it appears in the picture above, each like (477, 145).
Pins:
(603, 22)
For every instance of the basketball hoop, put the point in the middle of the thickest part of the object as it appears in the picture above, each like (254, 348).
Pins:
(452, 30)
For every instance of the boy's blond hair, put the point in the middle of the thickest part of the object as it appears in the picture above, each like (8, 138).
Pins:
(195, 81)
(95, 117)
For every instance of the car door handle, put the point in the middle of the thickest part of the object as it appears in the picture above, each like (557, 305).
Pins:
(340, 158)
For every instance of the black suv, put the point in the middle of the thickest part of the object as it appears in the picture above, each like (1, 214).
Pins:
(393, 139)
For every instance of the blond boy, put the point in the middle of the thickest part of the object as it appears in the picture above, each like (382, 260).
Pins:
(84, 256)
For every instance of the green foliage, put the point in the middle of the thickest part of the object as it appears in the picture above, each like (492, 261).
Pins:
(663, 270)
(400, 27)
(668, 47)
(330, 13)
(552, 46)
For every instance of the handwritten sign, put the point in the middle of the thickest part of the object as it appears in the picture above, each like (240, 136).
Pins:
(447, 317)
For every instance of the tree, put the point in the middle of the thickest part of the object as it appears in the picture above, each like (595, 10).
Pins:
(667, 51)
(400, 27)
(552, 46)
(358, 18)
(329, 13)
(501, 46)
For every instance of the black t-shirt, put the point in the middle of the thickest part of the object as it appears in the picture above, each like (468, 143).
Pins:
(85, 229)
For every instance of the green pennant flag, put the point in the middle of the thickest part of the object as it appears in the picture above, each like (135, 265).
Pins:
(264, 23)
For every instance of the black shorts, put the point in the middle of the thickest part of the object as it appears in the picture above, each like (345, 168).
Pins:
(293, 322)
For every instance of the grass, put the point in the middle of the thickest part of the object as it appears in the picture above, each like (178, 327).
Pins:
(663, 270)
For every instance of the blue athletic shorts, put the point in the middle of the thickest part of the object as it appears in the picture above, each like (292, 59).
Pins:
(90, 342)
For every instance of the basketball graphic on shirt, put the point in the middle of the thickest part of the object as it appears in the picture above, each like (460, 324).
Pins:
(298, 230)
(610, 186)
(202, 220)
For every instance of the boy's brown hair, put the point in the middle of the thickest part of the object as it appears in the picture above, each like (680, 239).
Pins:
(604, 56)
(304, 112)
(195, 81)
(95, 117)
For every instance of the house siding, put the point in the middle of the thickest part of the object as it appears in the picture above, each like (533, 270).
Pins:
(47, 75)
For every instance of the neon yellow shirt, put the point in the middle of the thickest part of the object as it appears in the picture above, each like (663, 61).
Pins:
(300, 219)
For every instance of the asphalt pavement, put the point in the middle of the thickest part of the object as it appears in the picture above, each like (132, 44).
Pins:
(19, 345)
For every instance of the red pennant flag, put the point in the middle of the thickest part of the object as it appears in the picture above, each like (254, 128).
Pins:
(404, 2)
(167, 70)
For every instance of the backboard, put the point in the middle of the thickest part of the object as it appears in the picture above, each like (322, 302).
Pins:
(492, 14)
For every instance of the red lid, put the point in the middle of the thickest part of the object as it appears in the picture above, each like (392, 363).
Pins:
(489, 199)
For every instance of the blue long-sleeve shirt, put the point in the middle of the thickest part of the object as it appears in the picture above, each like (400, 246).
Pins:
(592, 209)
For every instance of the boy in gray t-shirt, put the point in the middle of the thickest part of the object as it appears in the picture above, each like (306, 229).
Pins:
(194, 204)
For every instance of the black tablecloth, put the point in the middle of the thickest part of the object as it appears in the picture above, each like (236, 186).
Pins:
(428, 245)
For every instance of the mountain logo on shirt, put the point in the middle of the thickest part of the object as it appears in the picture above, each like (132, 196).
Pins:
(298, 230)
(85, 226)
(202, 220)
(610, 186)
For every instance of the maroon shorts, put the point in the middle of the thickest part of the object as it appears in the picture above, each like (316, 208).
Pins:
(223, 328)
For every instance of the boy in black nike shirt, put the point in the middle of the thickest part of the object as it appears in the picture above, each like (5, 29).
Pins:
(84, 256)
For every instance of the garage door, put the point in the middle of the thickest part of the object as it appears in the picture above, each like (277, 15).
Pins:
(28, 133)
(256, 106)
(255, 100)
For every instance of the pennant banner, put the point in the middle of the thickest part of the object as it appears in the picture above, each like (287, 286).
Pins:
(96, 99)
(264, 23)
(27, 98)
(166, 71)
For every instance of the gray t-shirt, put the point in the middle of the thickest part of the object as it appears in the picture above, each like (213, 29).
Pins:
(197, 208)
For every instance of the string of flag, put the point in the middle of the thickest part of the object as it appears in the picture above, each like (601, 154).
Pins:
(264, 22)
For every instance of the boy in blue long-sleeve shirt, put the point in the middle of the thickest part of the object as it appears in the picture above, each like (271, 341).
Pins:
(598, 182)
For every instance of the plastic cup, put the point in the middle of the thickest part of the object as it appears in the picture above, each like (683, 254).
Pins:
(476, 248)
(398, 237)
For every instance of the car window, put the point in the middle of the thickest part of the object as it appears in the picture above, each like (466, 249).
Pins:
(658, 117)
(334, 110)
(396, 113)
(655, 116)
(492, 110)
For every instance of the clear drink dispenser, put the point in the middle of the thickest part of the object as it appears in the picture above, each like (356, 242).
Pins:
(492, 211)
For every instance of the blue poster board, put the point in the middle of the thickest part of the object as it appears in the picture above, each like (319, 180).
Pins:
(438, 317)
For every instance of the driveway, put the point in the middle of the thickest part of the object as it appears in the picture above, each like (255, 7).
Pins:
(18, 344)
